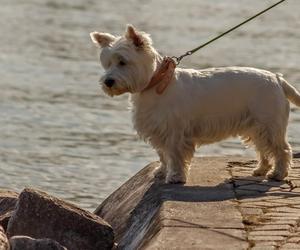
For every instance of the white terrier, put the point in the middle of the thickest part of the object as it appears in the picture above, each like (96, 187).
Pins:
(198, 107)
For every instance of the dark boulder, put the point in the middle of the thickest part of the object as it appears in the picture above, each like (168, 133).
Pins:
(28, 243)
(40, 215)
(8, 200)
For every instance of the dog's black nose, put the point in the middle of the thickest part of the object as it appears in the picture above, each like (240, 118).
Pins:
(109, 82)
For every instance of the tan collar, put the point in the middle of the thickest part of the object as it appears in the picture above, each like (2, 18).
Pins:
(163, 75)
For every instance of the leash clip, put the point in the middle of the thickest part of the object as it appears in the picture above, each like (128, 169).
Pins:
(178, 59)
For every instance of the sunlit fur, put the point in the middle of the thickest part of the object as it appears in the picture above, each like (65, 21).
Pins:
(201, 107)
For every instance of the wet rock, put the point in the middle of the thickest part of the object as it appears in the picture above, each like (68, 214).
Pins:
(8, 200)
(28, 243)
(4, 245)
(40, 215)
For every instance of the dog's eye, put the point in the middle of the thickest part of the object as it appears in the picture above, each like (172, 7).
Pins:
(122, 63)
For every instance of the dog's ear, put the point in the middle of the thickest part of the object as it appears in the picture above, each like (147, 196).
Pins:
(139, 39)
(102, 39)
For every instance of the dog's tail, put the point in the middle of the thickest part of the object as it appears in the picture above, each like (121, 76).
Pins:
(290, 92)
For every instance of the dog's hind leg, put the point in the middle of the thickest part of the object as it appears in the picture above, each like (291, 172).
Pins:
(261, 139)
(281, 149)
(269, 134)
(263, 165)
(283, 161)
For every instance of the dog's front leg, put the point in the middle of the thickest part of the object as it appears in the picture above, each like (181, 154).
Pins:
(161, 170)
(172, 167)
(175, 154)
(178, 161)
(176, 168)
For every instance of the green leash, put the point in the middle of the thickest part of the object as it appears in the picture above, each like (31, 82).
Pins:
(190, 52)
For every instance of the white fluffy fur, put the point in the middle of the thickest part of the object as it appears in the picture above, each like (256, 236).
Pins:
(200, 106)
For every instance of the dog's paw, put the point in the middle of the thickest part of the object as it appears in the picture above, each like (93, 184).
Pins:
(175, 178)
(259, 172)
(277, 176)
(160, 172)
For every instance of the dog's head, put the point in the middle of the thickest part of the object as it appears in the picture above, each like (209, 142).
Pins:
(129, 61)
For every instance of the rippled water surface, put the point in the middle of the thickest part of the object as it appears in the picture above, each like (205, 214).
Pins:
(60, 133)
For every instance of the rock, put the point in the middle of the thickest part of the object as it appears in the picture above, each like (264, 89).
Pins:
(4, 245)
(40, 215)
(134, 203)
(8, 200)
(28, 243)
(148, 214)
(296, 155)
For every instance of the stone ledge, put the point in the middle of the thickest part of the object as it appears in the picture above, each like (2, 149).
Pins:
(146, 213)
(220, 207)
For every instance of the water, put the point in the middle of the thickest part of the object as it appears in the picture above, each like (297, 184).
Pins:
(61, 134)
